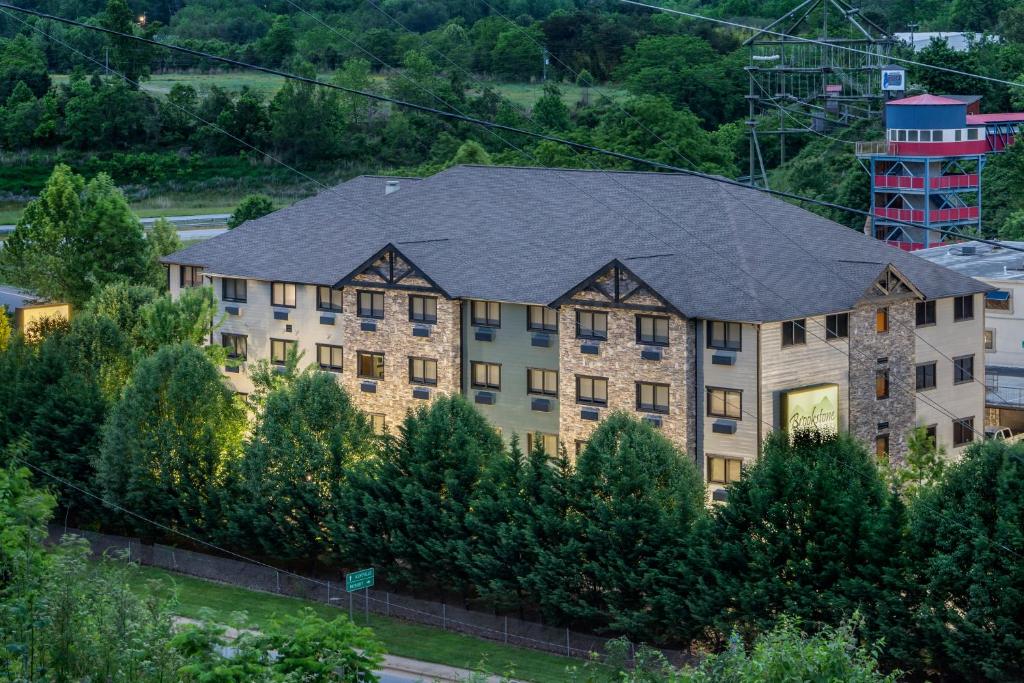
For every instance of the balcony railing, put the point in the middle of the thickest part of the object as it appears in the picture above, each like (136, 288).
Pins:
(961, 213)
(1008, 393)
(948, 182)
(874, 148)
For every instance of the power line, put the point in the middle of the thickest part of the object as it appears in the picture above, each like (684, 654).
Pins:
(491, 124)
(832, 45)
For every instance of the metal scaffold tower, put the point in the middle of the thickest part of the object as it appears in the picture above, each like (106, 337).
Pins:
(813, 87)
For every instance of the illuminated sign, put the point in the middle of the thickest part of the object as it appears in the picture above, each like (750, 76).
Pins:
(893, 79)
(811, 409)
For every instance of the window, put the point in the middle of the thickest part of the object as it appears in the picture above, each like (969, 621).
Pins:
(936, 136)
(370, 304)
(837, 326)
(794, 332)
(652, 329)
(932, 432)
(581, 446)
(591, 325)
(652, 398)
(328, 299)
(543, 382)
(486, 313)
(958, 135)
(282, 294)
(725, 403)
(725, 336)
(724, 470)
(422, 371)
(233, 290)
(422, 309)
(925, 376)
(279, 350)
(541, 319)
(370, 365)
(902, 136)
(329, 357)
(963, 431)
(926, 136)
(592, 391)
(881, 384)
(999, 300)
(972, 133)
(882, 446)
(236, 344)
(485, 375)
(911, 136)
(882, 320)
(191, 276)
(925, 313)
(378, 422)
(547, 442)
(963, 369)
(963, 308)
(990, 340)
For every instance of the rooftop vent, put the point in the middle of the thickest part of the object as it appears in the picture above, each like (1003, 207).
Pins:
(967, 250)
(391, 187)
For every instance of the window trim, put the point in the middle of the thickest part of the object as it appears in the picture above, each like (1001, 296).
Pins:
(330, 368)
(882, 320)
(654, 408)
(833, 332)
(591, 401)
(295, 294)
(797, 324)
(543, 326)
(543, 391)
(883, 374)
(329, 308)
(359, 304)
(655, 318)
(192, 270)
(234, 335)
(359, 364)
(530, 437)
(934, 375)
(383, 423)
(964, 298)
(234, 299)
(726, 459)
(989, 333)
(422, 381)
(959, 422)
(592, 336)
(725, 346)
(958, 368)
(487, 320)
(927, 306)
(487, 385)
(281, 363)
(707, 401)
(425, 320)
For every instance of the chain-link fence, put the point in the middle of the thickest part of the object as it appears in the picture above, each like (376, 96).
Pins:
(499, 628)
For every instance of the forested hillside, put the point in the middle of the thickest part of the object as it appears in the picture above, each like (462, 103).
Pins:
(619, 77)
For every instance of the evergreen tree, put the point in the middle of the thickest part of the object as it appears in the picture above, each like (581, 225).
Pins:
(550, 112)
(967, 544)
(294, 470)
(810, 531)
(21, 61)
(407, 510)
(127, 57)
(168, 440)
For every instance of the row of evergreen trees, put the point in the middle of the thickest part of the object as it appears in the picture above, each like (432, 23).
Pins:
(125, 402)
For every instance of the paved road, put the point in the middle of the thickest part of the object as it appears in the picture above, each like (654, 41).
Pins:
(189, 227)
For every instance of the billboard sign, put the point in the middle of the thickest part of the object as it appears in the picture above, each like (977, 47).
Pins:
(894, 80)
(811, 409)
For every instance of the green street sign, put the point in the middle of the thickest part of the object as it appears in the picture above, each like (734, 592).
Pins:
(360, 580)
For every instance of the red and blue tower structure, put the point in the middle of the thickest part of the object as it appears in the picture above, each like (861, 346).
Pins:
(927, 171)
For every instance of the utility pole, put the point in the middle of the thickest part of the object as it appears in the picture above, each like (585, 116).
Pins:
(544, 65)
(913, 27)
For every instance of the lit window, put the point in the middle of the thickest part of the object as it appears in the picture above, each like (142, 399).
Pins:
(592, 391)
(542, 319)
(990, 340)
(279, 350)
(329, 357)
(191, 276)
(725, 403)
(882, 320)
(233, 290)
(485, 375)
(652, 398)
(724, 470)
(591, 325)
(378, 422)
(328, 299)
(370, 304)
(422, 309)
(236, 345)
(882, 446)
(881, 384)
(282, 294)
(486, 313)
(652, 329)
(542, 382)
(837, 326)
(547, 442)
(423, 371)
(794, 332)
(370, 365)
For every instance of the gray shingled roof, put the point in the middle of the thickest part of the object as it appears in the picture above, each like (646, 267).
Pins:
(531, 234)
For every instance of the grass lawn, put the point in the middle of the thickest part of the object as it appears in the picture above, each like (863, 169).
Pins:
(399, 637)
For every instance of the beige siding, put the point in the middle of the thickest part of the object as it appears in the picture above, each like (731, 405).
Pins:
(742, 376)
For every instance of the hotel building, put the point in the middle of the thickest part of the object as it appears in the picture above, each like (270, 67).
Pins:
(551, 297)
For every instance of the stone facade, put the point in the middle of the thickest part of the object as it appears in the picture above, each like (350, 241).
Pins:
(619, 360)
(872, 351)
(393, 336)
